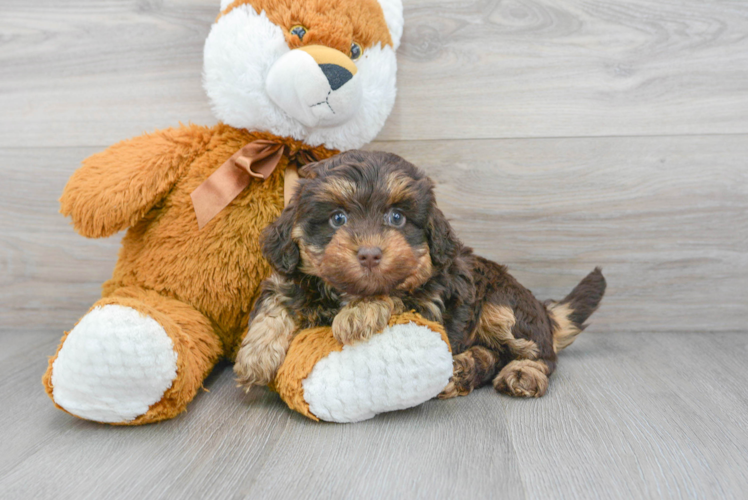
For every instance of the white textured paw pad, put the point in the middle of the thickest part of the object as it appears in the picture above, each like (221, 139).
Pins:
(113, 365)
(401, 367)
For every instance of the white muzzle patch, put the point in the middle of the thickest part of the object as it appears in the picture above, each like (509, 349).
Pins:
(317, 95)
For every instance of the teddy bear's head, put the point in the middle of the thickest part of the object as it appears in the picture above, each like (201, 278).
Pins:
(320, 71)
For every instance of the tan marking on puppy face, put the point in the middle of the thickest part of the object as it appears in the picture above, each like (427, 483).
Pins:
(565, 330)
(523, 378)
(334, 24)
(340, 266)
(398, 257)
(398, 187)
(338, 263)
(311, 255)
(265, 344)
(336, 190)
(495, 330)
(422, 272)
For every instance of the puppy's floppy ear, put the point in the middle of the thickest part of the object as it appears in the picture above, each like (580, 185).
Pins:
(311, 170)
(318, 168)
(278, 246)
(443, 244)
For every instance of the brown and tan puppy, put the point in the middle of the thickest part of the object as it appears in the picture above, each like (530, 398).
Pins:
(363, 239)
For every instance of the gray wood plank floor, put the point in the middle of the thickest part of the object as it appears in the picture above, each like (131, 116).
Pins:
(561, 135)
(629, 415)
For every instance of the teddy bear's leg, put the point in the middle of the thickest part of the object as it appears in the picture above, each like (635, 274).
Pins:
(136, 357)
(409, 362)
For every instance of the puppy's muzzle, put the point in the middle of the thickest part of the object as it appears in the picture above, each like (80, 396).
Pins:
(316, 85)
(369, 257)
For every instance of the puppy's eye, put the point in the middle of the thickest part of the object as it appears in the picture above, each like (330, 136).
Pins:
(394, 218)
(355, 51)
(299, 31)
(338, 219)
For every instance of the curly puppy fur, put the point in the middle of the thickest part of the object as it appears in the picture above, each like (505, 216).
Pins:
(363, 239)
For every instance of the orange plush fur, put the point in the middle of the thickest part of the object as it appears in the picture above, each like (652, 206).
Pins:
(199, 285)
(330, 23)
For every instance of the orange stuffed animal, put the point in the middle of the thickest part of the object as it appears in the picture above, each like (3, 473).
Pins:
(305, 78)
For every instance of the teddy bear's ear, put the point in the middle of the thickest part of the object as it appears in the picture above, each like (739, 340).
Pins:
(393, 16)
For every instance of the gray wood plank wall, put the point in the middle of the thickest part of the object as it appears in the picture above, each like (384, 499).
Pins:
(562, 135)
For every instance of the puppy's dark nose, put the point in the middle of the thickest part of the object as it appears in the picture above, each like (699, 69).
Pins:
(336, 75)
(370, 256)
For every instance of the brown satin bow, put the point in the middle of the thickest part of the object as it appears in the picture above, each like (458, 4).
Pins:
(257, 159)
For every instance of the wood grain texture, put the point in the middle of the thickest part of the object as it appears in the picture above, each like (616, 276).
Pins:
(48, 274)
(562, 68)
(92, 73)
(634, 415)
(637, 409)
(666, 218)
(561, 135)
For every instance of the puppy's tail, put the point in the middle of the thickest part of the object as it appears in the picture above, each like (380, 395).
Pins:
(569, 314)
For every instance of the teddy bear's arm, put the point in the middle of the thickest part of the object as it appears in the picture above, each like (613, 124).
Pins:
(114, 189)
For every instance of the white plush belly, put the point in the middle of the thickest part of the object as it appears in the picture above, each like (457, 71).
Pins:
(401, 367)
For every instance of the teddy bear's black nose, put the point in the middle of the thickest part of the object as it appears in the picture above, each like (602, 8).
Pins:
(336, 75)
(370, 256)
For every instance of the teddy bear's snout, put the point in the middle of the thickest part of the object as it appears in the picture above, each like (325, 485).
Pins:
(337, 76)
(316, 85)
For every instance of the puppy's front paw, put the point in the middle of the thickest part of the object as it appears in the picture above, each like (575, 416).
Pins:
(257, 366)
(361, 319)
(264, 348)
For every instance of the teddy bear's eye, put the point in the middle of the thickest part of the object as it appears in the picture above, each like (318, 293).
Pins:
(355, 51)
(299, 31)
